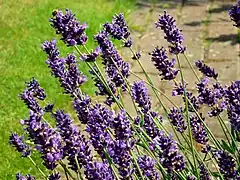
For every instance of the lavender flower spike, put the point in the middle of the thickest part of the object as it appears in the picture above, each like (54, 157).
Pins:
(54, 176)
(146, 164)
(17, 142)
(234, 14)
(161, 62)
(22, 177)
(172, 34)
(73, 33)
(141, 96)
(206, 70)
(177, 120)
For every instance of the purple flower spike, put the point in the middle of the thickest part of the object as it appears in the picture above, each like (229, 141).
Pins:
(162, 63)
(234, 14)
(206, 70)
(172, 34)
(169, 154)
(118, 29)
(16, 141)
(54, 176)
(72, 32)
(147, 164)
(141, 96)
(233, 98)
(179, 89)
(98, 171)
(177, 119)
(227, 164)
(204, 175)
(22, 177)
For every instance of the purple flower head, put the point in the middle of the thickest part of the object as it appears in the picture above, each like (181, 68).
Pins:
(234, 14)
(82, 105)
(146, 165)
(122, 126)
(179, 89)
(112, 61)
(198, 130)
(22, 177)
(47, 140)
(162, 63)
(233, 98)
(98, 171)
(30, 95)
(48, 108)
(51, 49)
(141, 96)
(227, 164)
(206, 70)
(92, 56)
(54, 176)
(119, 151)
(72, 32)
(193, 100)
(118, 29)
(172, 34)
(100, 118)
(16, 141)
(177, 120)
(168, 154)
(191, 177)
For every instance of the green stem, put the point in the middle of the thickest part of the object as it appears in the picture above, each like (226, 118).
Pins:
(33, 162)
(136, 163)
(67, 170)
(187, 116)
(79, 169)
(194, 72)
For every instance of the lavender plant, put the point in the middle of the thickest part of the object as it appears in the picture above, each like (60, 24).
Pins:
(113, 143)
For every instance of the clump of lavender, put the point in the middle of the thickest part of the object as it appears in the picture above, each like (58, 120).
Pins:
(92, 56)
(141, 96)
(234, 14)
(22, 177)
(199, 132)
(169, 155)
(72, 32)
(227, 164)
(65, 69)
(18, 142)
(116, 68)
(172, 34)
(147, 164)
(233, 98)
(177, 120)
(161, 62)
(206, 70)
(118, 29)
(204, 175)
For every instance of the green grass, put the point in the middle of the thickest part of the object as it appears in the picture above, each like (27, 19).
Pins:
(24, 26)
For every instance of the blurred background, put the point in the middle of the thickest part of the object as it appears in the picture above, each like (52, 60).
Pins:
(24, 25)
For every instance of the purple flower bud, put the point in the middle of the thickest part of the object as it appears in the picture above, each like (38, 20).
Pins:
(206, 70)
(172, 34)
(179, 89)
(98, 171)
(177, 120)
(146, 165)
(137, 56)
(16, 141)
(234, 14)
(22, 177)
(162, 63)
(72, 32)
(82, 106)
(204, 175)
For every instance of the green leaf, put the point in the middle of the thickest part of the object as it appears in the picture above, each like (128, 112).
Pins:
(216, 174)
(227, 147)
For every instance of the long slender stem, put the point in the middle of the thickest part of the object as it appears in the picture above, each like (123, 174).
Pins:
(136, 164)
(187, 116)
(33, 162)
(194, 72)
(67, 170)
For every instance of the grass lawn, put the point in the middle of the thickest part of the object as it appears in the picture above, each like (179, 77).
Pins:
(24, 26)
